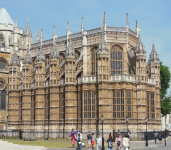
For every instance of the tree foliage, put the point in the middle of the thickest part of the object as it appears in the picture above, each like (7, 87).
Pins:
(166, 105)
(164, 79)
(165, 76)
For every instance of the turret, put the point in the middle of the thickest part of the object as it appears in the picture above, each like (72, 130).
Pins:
(70, 85)
(14, 93)
(40, 99)
(103, 56)
(26, 87)
(154, 65)
(140, 60)
(54, 83)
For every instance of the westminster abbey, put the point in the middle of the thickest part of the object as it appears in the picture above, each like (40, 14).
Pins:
(70, 81)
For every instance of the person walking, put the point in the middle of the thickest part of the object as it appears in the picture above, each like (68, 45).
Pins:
(98, 142)
(160, 138)
(110, 142)
(73, 138)
(155, 136)
(129, 137)
(126, 142)
(89, 140)
(79, 141)
(92, 141)
(118, 141)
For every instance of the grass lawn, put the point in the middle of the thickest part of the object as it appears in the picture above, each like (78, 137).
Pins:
(59, 143)
(49, 143)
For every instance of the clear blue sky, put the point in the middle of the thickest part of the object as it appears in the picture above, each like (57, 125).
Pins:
(154, 18)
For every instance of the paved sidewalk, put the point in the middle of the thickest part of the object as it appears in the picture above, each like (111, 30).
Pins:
(4, 145)
(135, 145)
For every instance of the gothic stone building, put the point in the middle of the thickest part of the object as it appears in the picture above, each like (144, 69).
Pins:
(70, 81)
(10, 35)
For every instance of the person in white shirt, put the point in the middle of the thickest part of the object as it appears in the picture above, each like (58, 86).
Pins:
(98, 142)
(126, 142)
(81, 136)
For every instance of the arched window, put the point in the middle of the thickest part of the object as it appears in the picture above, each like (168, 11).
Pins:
(2, 64)
(2, 95)
(2, 41)
(94, 61)
(116, 60)
(3, 99)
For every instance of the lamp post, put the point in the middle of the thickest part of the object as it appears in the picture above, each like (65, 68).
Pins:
(127, 123)
(146, 144)
(102, 119)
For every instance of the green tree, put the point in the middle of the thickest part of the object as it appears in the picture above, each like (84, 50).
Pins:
(164, 79)
(166, 105)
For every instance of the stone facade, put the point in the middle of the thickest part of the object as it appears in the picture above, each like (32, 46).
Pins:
(70, 81)
(10, 36)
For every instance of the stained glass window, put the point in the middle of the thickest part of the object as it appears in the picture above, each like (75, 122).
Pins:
(116, 60)
(2, 65)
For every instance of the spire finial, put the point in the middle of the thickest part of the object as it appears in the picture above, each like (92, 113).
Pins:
(38, 35)
(15, 25)
(41, 37)
(104, 18)
(127, 23)
(67, 27)
(28, 19)
(153, 39)
(104, 30)
(82, 25)
(53, 30)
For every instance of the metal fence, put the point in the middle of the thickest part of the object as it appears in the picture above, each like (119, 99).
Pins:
(42, 135)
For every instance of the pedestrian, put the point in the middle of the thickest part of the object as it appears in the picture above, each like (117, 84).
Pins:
(126, 142)
(89, 140)
(110, 142)
(79, 142)
(73, 138)
(98, 142)
(160, 138)
(155, 136)
(118, 141)
(92, 141)
(129, 136)
(81, 136)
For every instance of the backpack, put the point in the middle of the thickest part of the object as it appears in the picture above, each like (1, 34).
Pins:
(118, 142)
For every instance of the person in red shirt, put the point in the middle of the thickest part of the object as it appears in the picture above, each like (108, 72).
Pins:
(73, 138)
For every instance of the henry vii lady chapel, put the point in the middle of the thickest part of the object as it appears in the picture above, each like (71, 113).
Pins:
(70, 81)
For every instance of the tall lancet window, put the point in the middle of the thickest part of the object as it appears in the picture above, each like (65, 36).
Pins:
(116, 58)
(94, 61)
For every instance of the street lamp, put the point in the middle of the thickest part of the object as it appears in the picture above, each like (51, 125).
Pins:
(146, 144)
(102, 119)
(127, 123)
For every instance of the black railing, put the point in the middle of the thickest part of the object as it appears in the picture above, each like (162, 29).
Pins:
(43, 134)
